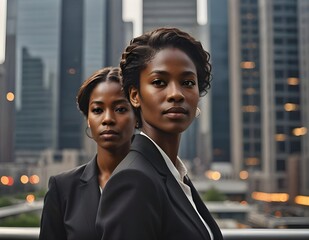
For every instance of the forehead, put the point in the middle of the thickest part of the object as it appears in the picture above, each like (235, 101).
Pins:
(107, 88)
(173, 56)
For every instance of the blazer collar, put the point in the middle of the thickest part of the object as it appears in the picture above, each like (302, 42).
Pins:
(91, 170)
(89, 187)
(145, 147)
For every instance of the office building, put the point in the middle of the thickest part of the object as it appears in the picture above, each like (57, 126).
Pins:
(70, 38)
(7, 87)
(303, 13)
(33, 125)
(220, 88)
(265, 90)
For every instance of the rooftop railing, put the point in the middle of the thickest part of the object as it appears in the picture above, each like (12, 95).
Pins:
(16, 233)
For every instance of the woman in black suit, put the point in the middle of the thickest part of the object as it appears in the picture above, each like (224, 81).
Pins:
(71, 203)
(149, 195)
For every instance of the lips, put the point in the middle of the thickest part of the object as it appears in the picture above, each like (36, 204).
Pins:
(175, 110)
(108, 132)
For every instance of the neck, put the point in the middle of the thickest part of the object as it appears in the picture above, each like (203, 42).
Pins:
(107, 161)
(168, 142)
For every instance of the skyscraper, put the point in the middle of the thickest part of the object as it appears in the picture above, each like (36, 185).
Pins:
(33, 125)
(265, 89)
(70, 39)
(220, 104)
(303, 13)
(38, 34)
(7, 86)
(70, 75)
(173, 13)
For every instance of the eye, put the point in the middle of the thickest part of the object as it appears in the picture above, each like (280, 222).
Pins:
(158, 82)
(97, 110)
(121, 109)
(189, 83)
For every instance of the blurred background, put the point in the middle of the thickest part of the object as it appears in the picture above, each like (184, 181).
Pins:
(248, 152)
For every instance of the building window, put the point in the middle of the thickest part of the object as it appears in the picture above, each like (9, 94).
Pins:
(280, 165)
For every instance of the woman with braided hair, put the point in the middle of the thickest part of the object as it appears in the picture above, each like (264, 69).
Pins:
(149, 195)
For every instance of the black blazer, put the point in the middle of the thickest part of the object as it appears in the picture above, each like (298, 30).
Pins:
(143, 201)
(71, 203)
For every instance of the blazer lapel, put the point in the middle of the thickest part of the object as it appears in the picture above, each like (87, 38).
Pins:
(90, 187)
(202, 209)
(144, 146)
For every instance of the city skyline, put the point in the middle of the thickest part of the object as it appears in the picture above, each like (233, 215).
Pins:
(254, 117)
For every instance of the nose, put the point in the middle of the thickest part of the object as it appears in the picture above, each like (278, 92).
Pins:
(174, 92)
(108, 118)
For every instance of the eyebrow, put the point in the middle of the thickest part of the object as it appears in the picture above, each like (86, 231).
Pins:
(162, 72)
(119, 101)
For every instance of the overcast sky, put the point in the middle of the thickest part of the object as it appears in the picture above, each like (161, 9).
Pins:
(2, 29)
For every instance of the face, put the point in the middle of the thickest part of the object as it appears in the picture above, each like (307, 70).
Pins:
(110, 116)
(168, 94)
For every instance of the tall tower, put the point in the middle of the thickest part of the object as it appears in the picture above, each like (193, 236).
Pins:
(33, 125)
(173, 13)
(303, 13)
(115, 29)
(220, 89)
(7, 85)
(265, 102)
(70, 75)
(38, 36)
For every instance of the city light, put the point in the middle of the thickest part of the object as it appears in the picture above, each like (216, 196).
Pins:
(270, 197)
(252, 161)
(10, 96)
(247, 65)
(7, 180)
(213, 175)
(250, 108)
(24, 179)
(34, 179)
(291, 107)
(302, 200)
(280, 137)
(30, 198)
(293, 81)
(243, 175)
(299, 131)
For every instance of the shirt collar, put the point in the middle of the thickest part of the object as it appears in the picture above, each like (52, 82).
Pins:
(178, 170)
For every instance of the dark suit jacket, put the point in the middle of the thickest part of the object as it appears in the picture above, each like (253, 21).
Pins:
(143, 201)
(71, 203)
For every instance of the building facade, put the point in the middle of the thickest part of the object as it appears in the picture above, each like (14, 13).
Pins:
(265, 90)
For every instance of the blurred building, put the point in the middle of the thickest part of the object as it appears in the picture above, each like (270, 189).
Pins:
(38, 32)
(220, 89)
(7, 88)
(33, 125)
(173, 13)
(303, 13)
(71, 39)
(69, 120)
(266, 106)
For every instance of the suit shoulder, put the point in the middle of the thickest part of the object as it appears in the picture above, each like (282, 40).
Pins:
(69, 175)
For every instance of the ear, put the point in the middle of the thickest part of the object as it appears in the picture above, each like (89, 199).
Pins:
(88, 123)
(134, 97)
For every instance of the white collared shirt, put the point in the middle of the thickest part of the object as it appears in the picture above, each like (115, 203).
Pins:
(179, 171)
